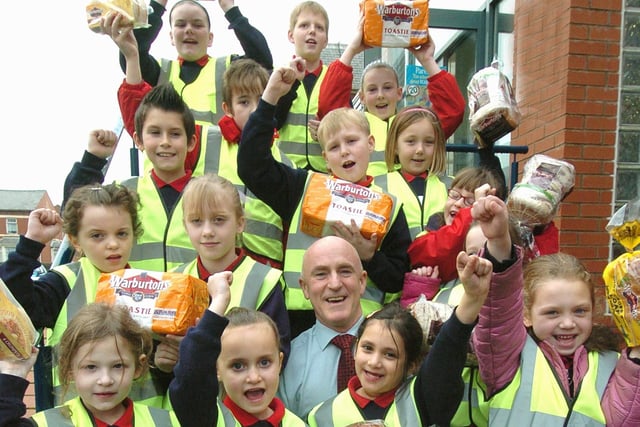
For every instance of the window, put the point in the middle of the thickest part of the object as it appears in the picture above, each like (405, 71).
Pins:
(12, 226)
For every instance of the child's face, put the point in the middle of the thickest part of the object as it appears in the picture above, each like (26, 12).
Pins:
(347, 153)
(103, 372)
(249, 367)
(381, 93)
(190, 33)
(380, 360)
(453, 206)
(561, 314)
(415, 147)
(164, 141)
(309, 35)
(105, 235)
(475, 240)
(242, 105)
(213, 235)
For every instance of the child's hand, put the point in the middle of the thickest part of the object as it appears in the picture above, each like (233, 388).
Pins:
(166, 355)
(218, 287)
(366, 248)
(19, 368)
(424, 53)
(313, 128)
(492, 214)
(121, 32)
(475, 274)
(225, 5)
(282, 79)
(43, 225)
(431, 272)
(483, 191)
(102, 143)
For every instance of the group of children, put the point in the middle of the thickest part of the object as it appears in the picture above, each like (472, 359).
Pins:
(231, 146)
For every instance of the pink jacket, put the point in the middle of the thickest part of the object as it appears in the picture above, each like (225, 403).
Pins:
(500, 335)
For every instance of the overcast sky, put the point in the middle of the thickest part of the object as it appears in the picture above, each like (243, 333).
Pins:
(61, 80)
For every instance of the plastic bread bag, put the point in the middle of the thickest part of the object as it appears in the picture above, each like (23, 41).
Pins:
(368, 423)
(622, 287)
(165, 302)
(395, 23)
(545, 182)
(492, 105)
(17, 333)
(624, 225)
(136, 12)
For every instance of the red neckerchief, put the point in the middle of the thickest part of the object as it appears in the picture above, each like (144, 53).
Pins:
(246, 419)
(126, 420)
(229, 129)
(382, 401)
(409, 177)
(177, 185)
(365, 182)
(204, 274)
(201, 62)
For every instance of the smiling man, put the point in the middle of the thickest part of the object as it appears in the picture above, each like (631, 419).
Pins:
(333, 280)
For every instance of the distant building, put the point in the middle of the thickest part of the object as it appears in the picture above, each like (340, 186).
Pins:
(15, 206)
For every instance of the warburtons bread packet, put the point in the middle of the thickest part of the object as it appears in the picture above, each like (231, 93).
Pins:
(17, 334)
(167, 303)
(136, 12)
(398, 23)
(329, 200)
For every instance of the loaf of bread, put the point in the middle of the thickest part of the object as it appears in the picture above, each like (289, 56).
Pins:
(135, 12)
(395, 23)
(17, 334)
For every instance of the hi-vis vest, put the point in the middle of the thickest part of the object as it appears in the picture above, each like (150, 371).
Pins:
(450, 293)
(416, 211)
(536, 398)
(164, 244)
(82, 277)
(263, 230)
(204, 95)
(379, 129)
(341, 410)
(73, 413)
(298, 243)
(253, 282)
(295, 140)
(226, 418)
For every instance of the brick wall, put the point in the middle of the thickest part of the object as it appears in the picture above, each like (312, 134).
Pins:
(566, 75)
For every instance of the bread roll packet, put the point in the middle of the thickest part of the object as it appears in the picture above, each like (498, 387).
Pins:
(136, 12)
(165, 302)
(622, 287)
(395, 23)
(17, 333)
(493, 108)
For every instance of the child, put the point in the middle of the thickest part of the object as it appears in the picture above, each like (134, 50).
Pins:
(417, 143)
(394, 381)
(165, 131)
(447, 229)
(380, 92)
(246, 349)
(538, 357)
(216, 148)
(102, 353)
(101, 223)
(194, 74)
(309, 32)
(214, 220)
(346, 141)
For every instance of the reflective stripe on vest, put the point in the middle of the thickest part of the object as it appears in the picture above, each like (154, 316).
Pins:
(254, 281)
(450, 293)
(73, 413)
(341, 410)
(164, 244)
(535, 396)
(473, 409)
(435, 196)
(294, 138)
(263, 230)
(379, 129)
(298, 243)
(204, 94)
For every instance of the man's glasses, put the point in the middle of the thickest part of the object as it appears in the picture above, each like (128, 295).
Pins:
(455, 195)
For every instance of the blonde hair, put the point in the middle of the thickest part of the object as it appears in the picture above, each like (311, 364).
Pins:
(407, 117)
(308, 6)
(208, 193)
(340, 118)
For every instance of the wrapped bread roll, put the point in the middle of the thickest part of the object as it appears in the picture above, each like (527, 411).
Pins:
(17, 334)
(622, 281)
(136, 12)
